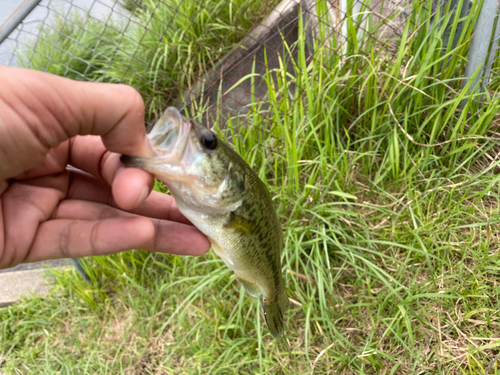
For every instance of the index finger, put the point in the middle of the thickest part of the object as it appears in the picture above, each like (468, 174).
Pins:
(44, 110)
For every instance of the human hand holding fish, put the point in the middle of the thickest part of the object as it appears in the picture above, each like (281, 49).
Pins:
(48, 211)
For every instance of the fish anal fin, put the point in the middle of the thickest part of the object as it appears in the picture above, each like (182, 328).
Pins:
(239, 224)
(251, 287)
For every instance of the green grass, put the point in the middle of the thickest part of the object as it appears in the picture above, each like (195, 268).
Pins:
(160, 51)
(389, 196)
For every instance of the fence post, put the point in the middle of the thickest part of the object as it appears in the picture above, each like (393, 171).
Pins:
(16, 18)
(484, 45)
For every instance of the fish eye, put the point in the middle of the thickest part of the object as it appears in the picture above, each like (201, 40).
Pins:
(208, 140)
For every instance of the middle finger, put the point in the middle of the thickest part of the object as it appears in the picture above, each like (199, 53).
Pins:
(83, 186)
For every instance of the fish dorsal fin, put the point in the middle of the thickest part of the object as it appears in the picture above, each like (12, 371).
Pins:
(239, 224)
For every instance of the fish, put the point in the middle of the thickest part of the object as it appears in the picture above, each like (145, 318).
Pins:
(223, 197)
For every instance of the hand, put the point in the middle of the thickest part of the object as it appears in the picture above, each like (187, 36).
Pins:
(48, 211)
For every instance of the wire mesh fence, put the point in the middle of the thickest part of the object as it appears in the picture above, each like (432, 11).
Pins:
(176, 51)
(211, 56)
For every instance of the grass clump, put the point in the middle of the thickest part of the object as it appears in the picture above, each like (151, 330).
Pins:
(160, 50)
(389, 197)
(70, 47)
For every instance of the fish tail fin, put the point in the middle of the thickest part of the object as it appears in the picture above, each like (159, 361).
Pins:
(274, 310)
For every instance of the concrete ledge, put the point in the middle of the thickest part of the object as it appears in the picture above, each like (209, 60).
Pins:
(13, 285)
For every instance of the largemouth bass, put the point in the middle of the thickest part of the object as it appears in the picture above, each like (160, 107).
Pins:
(224, 198)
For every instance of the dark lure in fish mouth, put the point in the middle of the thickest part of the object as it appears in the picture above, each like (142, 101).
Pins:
(127, 161)
(132, 161)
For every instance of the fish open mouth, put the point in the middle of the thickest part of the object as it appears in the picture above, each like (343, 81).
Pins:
(169, 136)
(169, 139)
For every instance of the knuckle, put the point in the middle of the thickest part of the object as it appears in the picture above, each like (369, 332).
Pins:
(103, 163)
(131, 94)
(65, 240)
(94, 238)
(156, 237)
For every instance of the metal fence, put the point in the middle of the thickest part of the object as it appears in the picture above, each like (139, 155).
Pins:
(196, 53)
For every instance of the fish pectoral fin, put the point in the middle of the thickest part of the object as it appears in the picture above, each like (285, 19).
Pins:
(221, 253)
(239, 224)
(251, 287)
